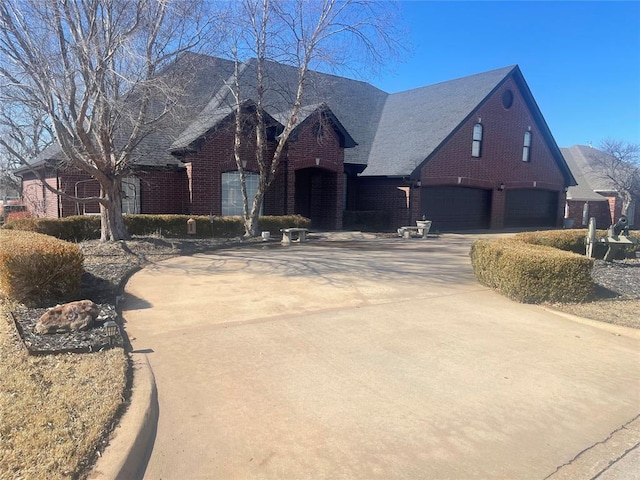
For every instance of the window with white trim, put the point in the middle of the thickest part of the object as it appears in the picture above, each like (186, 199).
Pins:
(526, 149)
(476, 147)
(232, 192)
(130, 195)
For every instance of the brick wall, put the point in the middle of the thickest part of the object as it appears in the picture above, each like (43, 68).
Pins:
(76, 183)
(393, 195)
(44, 203)
(316, 159)
(161, 191)
(501, 154)
(206, 167)
(599, 210)
(39, 201)
(605, 213)
(215, 157)
(164, 191)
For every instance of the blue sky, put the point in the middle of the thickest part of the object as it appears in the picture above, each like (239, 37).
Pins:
(581, 60)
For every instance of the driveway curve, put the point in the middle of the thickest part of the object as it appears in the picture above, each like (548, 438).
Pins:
(367, 359)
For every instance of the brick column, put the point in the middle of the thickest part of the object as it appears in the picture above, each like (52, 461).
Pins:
(498, 201)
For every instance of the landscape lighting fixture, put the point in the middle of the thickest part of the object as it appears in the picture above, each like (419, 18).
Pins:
(112, 330)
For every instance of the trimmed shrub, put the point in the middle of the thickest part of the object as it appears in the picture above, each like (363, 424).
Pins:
(73, 229)
(220, 227)
(532, 273)
(273, 224)
(571, 240)
(87, 227)
(39, 270)
(368, 221)
(574, 240)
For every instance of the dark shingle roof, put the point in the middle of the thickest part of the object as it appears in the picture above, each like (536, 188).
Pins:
(415, 122)
(307, 111)
(201, 76)
(51, 155)
(580, 161)
(356, 105)
(208, 119)
(393, 133)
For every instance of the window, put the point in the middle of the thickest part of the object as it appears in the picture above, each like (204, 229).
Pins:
(507, 99)
(232, 193)
(526, 149)
(477, 140)
(130, 195)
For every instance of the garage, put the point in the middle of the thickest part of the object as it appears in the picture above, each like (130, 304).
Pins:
(531, 208)
(456, 208)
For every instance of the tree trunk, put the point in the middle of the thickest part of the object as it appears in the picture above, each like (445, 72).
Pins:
(626, 203)
(112, 225)
(251, 222)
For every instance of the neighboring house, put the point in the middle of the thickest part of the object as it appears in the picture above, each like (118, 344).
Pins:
(594, 195)
(470, 153)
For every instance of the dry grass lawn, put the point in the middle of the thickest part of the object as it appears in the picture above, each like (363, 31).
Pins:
(618, 312)
(54, 409)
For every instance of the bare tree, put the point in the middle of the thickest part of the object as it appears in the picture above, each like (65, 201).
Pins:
(93, 69)
(321, 34)
(618, 162)
(24, 133)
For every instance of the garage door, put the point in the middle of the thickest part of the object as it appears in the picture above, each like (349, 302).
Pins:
(531, 208)
(456, 208)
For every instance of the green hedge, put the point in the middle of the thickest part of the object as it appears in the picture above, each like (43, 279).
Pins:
(532, 273)
(574, 240)
(72, 229)
(37, 269)
(87, 227)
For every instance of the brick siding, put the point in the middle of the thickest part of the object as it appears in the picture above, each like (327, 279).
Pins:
(164, 191)
(39, 201)
(215, 157)
(501, 157)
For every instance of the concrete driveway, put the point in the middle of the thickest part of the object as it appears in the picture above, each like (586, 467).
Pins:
(367, 359)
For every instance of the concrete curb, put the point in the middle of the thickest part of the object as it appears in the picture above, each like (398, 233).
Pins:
(609, 327)
(132, 440)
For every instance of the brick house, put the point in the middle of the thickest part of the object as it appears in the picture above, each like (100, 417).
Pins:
(470, 153)
(594, 195)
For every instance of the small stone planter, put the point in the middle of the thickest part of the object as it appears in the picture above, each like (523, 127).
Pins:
(423, 227)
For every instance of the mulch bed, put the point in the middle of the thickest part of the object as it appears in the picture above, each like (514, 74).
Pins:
(620, 278)
(93, 339)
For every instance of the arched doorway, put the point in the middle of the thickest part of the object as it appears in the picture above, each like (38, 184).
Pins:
(316, 197)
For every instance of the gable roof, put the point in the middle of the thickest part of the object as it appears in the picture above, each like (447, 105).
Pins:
(306, 112)
(355, 105)
(50, 156)
(580, 161)
(415, 122)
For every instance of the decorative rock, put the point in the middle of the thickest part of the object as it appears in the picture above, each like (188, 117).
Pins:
(69, 317)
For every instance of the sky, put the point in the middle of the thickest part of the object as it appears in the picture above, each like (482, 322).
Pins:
(581, 60)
